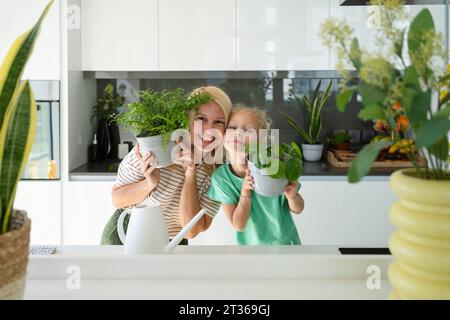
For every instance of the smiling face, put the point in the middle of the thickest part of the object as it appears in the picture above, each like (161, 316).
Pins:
(208, 127)
(242, 129)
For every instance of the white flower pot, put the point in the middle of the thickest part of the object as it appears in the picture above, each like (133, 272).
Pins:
(312, 152)
(265, 185)
(154, 145)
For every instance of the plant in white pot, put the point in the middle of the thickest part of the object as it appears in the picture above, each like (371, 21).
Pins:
(156, 116)
(17, 126)
(406, 90)
(272, 167)
(312, 148)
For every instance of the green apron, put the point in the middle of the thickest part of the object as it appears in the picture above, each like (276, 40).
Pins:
(110, 235)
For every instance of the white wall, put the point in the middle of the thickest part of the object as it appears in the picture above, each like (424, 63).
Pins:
(17, 17)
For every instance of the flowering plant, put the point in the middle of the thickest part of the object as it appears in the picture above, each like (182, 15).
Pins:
(404, 88)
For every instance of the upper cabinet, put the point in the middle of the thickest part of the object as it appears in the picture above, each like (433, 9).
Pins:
(197, 35)
(118, 35)
(17, 17)
(281, 35)
(357, 18)
(218, 35)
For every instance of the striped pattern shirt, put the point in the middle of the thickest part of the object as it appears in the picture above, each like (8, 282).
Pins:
(168, 191)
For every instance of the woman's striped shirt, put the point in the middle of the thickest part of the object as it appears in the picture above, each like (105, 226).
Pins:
(168, 191)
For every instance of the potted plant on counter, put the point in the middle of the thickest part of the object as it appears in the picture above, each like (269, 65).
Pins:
(411, 100)
(156, 116)
(17, 127)
(312, 148)
(272, 167)
(339, 141)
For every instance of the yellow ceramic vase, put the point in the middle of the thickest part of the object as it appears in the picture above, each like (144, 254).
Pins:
(421, 244)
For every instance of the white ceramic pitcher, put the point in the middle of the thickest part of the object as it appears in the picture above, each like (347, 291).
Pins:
(147, 230)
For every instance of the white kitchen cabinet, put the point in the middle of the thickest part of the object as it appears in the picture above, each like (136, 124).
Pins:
(318, 223)
(281, 35)
(357, 18)
(89, 208)
(197, 35)
(42, 202)
(17, 17)
(344, 214)
(119, 35)
(364, 213)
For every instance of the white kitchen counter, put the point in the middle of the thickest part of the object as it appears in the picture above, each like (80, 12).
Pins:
(206, 272)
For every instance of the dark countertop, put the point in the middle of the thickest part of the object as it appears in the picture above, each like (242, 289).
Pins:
(321, 168)
(104, 167)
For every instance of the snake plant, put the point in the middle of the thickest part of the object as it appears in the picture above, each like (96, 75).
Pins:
(314, 106)
(17, 118)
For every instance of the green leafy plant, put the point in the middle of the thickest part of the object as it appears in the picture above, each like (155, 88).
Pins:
(160, 112)
(338, 138)
(287, 158)
(400, 96)
(314, 106)
(17, 119)
(109, 103)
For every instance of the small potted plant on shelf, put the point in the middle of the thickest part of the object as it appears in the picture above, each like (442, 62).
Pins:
(17, 127)
(272, 167)
(339, 141)
(312, 148)
(156, 116)
(405, 91)
(107, 131)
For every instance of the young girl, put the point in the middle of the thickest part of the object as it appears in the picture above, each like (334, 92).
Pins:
(258, 220)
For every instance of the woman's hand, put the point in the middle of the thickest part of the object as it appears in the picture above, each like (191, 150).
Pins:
(248, 184)
(148, 167)
(290, 190)
(185, 158)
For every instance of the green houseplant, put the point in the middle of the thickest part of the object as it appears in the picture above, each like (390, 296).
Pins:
(339, 141)
(312, 148)
(274, 166)
(156, 116)
(18, 123)
(406, 92)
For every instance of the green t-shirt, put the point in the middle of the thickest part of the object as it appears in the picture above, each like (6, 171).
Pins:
(270, 221)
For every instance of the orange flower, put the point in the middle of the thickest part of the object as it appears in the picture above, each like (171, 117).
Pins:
(402, 123)
(396, 106)
(381, 126)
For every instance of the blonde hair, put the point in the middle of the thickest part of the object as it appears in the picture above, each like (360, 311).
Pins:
(260, 115)
(219, 97)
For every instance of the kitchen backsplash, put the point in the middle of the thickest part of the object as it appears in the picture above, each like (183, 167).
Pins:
(270, 94)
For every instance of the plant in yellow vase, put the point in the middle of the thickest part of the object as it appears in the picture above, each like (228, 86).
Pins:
(17, 126)
(404, 90)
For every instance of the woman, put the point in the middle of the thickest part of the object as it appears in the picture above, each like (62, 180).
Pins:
(180, 189)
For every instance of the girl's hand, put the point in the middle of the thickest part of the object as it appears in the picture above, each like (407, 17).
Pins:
(248, 184)
(185, 158)
(290, 190)
(148, 167)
